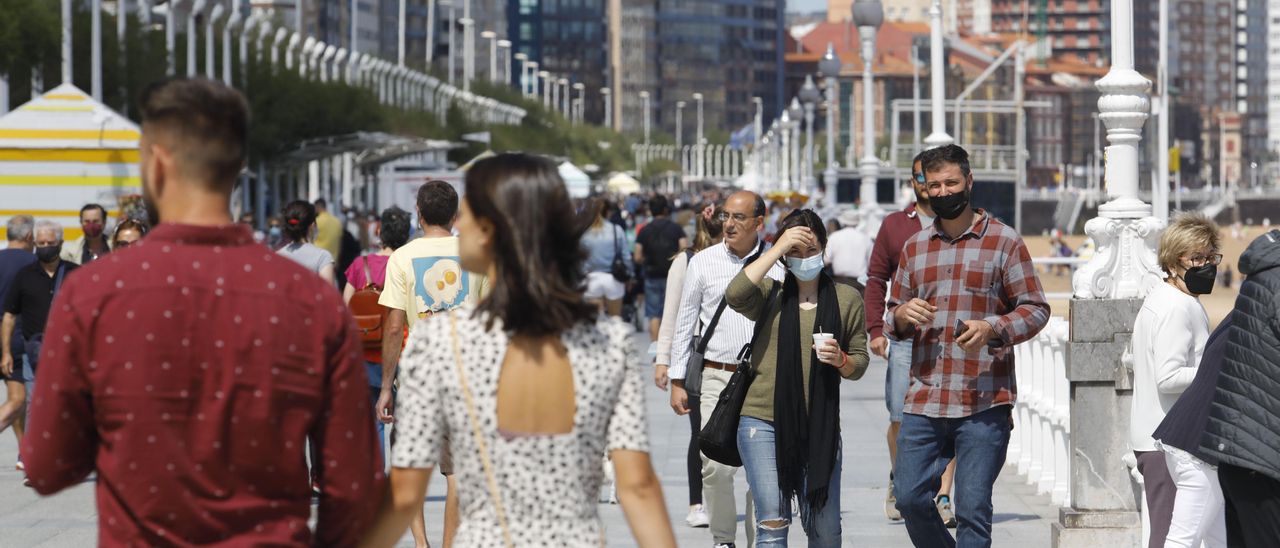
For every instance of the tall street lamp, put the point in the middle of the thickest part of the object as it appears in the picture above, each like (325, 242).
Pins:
(679, 124)
(582, 101)
(468, 53)
(608, 106)
(545, 77)
(937, 73)
(524, 69)
(504, 54)
(644, 98)
(868, 16)
(829, 66)
(564, 98)
(797, 123)
(492, 37)
(698, 146)
(810, 96)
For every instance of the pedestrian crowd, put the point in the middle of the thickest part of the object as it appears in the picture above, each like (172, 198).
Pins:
(226, 382)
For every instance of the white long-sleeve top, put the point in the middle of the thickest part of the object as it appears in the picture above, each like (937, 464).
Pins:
(671, 308)
(705, 281)
(1168, 340)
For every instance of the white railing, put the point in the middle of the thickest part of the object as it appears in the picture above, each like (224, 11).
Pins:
(1040, 445)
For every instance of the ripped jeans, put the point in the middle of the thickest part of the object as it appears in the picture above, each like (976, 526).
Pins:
(773, 515)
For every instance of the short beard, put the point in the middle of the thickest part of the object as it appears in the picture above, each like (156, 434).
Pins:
(922, 199)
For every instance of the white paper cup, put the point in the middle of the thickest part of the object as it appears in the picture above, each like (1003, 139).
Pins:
(820, 339)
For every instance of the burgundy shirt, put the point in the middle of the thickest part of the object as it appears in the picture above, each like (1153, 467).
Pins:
(189, 372)
(894, 232)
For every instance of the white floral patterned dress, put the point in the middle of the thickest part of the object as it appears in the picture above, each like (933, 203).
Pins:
(548, 483)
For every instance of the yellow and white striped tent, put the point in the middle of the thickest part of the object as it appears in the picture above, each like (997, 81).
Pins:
(61, 151)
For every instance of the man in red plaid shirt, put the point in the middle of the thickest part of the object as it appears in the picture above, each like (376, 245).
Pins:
(965, 293)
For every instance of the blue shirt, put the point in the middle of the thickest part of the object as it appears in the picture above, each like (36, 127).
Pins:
(11, 261)
(602, 244)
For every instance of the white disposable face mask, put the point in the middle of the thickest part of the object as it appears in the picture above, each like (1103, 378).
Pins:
(807, 268)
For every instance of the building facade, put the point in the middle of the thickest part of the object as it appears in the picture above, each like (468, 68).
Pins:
(568, 38)
(1077, 30)
(728, 50)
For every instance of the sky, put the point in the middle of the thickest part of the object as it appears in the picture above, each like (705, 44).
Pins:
(806, 6)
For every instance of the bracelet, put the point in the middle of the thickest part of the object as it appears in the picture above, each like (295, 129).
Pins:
(844, 358)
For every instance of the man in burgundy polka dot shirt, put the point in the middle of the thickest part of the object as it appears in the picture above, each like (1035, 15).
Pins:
(190, 370)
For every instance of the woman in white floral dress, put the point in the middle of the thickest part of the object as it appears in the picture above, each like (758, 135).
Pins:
(530, 387)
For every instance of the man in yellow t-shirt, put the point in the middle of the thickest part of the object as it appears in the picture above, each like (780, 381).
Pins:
(328, 229)
(425, 276)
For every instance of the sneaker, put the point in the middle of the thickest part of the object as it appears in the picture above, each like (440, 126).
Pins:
(20, 467)
(698, 517)
(725, 545)
(891, 505)
(944, 510)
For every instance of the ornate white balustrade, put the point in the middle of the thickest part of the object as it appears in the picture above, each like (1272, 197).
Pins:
(1040, 444)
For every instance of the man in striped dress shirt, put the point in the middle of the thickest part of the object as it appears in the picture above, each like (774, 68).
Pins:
(704, 285)
(964, 293)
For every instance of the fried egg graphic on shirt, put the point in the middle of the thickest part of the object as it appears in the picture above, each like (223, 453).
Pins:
(441, 284)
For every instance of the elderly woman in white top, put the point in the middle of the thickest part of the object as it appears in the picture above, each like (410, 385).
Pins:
(1169, 336)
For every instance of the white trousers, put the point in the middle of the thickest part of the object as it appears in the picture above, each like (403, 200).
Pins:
(717, 479)
(1199, 511)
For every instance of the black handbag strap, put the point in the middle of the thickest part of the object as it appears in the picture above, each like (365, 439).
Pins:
(705, 338)
(617, 246)
(744, 355)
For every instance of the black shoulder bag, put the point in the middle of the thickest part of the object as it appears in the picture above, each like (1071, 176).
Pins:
(619, 266)
(718, 439)
(698, 350)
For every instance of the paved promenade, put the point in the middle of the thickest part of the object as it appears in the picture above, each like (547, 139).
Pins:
(1021, 518)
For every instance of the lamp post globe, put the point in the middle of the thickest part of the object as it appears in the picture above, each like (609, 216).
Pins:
(809, 97)
(868, 13)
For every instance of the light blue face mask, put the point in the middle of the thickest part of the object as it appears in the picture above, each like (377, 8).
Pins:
(807, 268)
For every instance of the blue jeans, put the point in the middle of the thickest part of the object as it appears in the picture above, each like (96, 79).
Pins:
(655, 297)
(374, 371)
(897, 378)
(757, 447)
(925, 445)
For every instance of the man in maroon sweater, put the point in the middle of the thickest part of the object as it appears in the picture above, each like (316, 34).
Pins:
(894, 232)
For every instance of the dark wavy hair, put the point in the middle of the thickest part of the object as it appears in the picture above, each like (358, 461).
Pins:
(298, 216)
(395, 227)
(806, 218)
(537, 288)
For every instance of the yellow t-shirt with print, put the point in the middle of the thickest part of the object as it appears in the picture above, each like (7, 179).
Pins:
(425, 276)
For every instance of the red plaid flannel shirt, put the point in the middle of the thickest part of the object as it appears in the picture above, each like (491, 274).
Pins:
(985, 274)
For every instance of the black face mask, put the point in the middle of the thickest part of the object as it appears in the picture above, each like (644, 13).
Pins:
(1200, 279)
(950, 206)
(48, 254)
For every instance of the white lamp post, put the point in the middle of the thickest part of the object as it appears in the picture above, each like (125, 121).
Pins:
(679, 124)
(492, 37)
(504, 63)
(868, 16)
(1126, 234)
(937, 77)
(192, 32)
(582, 101)
(607, 94)
(95, 54)
(215, 15)
(644, 98)
(830, 66)
(524, 71)
(533, 79)
(796, 113)
(758, 138)
(431, 33)
(564, 98)
(295, 42)
(699, 153)
(233, 25)
(810, 96)
(402, 26)
(784, 163)
(453, 52)
(281, 34)
(545, 77)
